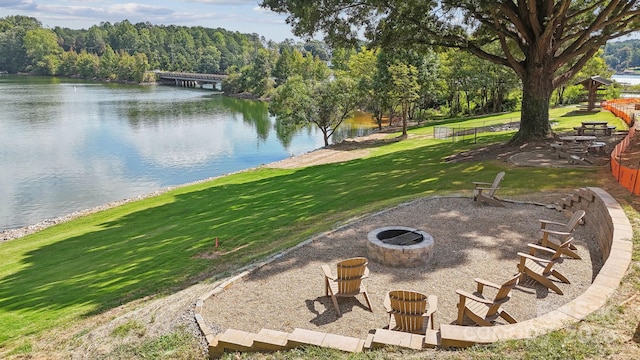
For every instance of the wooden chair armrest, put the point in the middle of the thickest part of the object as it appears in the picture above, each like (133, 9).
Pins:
(469, 295)
(481, 183)
(487, 188)
(541, 248)
(387, 303)
(542, 221)
(563, 233)
(433, 304)
(527, 256)
(487, 283)
(327, 272)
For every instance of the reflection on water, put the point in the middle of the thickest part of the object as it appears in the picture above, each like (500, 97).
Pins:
(68, 145)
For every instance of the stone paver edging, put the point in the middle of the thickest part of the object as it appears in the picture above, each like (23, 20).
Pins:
(613, 230)
(603, 214)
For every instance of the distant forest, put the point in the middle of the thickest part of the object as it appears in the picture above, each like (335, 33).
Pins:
(446, 82)
(122, 51)
(623, 55)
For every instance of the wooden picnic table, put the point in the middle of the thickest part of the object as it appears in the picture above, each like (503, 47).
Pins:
(593, 126)
(574, 148)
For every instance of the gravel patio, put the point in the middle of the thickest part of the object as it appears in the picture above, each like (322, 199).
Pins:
(470, 241)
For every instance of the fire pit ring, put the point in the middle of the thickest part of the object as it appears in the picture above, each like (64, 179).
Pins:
(400, 246)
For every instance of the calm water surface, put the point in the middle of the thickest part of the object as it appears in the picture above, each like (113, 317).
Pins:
(627, 79)
(68, 145)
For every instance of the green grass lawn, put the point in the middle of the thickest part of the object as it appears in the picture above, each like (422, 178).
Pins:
(86, 266)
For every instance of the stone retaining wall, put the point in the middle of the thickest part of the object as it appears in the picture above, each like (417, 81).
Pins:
(605, 217)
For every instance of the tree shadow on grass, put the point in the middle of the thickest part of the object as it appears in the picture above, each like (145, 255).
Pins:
(137, 250)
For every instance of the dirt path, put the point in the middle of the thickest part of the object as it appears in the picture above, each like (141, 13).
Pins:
(349, 149)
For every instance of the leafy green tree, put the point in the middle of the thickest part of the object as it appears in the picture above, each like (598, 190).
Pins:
(39, 44)
(13, 55)
(536, 37)
(108, 64)
(95, 40)
(427, 65)
(381, 102)
(573, 94)
(454, 79)
(362, 68)
(258, 74)
(405, 90)
(51, 64)
(132, 68)
(234, 83)
(87, 65)
(283, 68)
(325, 104)
(182, 50)
(68, 63)
(71, 39)
(140, 67)
(317, 49)
(208, 60)
(498, 82)
(310, 67)
(620, 55)
(124, 36)
(595, 66)
(340, 57)
(165, 47)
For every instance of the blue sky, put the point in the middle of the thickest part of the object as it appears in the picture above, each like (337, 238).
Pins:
(244, 16)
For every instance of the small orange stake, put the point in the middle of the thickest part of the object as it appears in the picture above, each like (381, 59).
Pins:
(217, 243)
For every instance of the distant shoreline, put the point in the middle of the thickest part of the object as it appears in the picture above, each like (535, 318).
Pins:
(16, 233)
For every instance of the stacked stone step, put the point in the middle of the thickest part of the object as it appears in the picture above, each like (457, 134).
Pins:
(272, 340)
(385, 337)
(302, 337)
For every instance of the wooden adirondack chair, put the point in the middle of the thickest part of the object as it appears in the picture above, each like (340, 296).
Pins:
(563, 232)
(410, 311)
(541, 269)
(483, 311)
(484, 192)
(348, 281)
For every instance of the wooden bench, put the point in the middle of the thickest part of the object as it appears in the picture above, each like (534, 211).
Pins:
(570, 151)
(597, 147)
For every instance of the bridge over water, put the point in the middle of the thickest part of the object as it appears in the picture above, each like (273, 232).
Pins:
(183, 79)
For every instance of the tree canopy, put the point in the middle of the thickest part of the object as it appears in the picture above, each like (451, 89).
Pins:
(623, 55)
(534, 38)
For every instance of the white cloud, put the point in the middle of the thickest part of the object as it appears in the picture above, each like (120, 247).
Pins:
(18, 4)
(222, 2)
(245, 16)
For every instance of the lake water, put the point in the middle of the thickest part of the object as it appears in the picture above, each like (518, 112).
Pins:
(70, 145)
(627, 79)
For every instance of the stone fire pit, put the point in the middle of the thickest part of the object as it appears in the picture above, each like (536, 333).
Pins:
(399, 246)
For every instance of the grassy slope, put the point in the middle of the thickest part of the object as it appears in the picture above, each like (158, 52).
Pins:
(91, 264)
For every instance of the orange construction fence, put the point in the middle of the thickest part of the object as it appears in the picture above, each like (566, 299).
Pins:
(626, 110)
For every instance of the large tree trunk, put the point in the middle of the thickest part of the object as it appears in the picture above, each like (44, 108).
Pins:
(537, 87)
